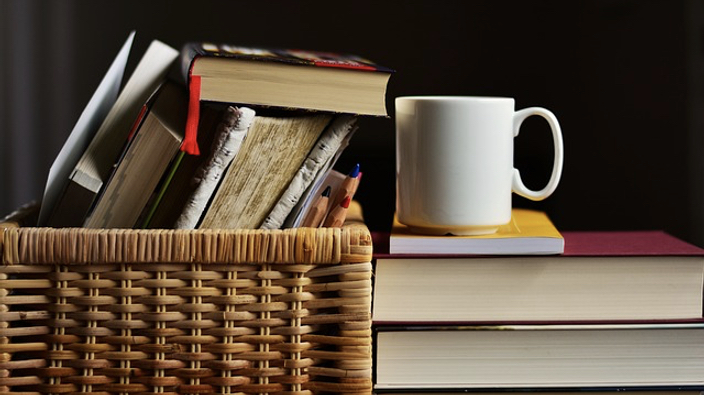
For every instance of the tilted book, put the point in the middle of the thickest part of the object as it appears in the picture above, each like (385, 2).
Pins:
(270, 156)
(95, 166)
(83, 131)
(282, 78)
(148, 155)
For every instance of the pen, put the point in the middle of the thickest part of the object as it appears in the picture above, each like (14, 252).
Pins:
(337, 216)
(317, 212)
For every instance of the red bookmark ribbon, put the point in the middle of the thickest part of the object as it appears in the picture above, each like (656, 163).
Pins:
(190, 140)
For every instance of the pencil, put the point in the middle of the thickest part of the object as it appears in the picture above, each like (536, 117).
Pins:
(317, 212)
(348, 186)
(337, 216)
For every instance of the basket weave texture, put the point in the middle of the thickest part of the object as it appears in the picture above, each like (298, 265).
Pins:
(189, 312)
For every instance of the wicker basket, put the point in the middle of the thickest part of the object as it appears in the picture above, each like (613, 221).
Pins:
(190, 312)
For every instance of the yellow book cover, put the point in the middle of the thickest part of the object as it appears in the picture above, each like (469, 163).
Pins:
(530, 232)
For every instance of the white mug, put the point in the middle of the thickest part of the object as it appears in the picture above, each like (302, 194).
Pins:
(454, 162)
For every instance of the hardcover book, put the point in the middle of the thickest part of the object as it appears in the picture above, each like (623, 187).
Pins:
(156, 141)
(540, 356)
(615, 276)
(282, 78)
(322, 81)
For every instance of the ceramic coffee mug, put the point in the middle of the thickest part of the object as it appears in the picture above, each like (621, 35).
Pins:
(454, 162)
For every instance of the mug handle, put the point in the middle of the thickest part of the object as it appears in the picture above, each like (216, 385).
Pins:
(517, 185)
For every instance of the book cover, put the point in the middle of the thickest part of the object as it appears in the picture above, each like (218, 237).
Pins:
(229, 136)
(165, 211)
(529, 232)
(193, 50)
(319, 161)
(627, 243)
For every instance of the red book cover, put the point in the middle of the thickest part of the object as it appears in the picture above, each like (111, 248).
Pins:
(626, 243)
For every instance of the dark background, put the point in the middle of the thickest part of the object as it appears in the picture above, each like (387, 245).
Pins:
(624, 77)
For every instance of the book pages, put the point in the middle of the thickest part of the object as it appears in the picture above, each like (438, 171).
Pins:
(228, 140)
(320, 159)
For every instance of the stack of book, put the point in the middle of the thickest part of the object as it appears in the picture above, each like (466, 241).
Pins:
(211, 136)
(534, 309)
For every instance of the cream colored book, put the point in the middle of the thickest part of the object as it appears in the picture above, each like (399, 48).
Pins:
(530, 232)
(540, 356)
(95, 166)
(147, 157)
(602, 276)
(83, 131)
(268, 160)
(319, 161)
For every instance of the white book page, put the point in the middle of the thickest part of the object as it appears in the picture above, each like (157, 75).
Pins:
(88, 123)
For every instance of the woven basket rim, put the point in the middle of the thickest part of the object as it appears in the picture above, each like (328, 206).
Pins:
(350, 243)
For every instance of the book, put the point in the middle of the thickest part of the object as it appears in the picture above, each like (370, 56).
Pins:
(175, 193)
(156, 142)
(321, 81)
(332, 180)
(282, 78)
(529, 232)
(540, 356)
(616, 276)
(319, 161)
(83, 131)
(230, 133)
(96, 163)
(274, 150)
(327, 177)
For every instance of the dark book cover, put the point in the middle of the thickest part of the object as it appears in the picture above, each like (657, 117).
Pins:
(193, 50)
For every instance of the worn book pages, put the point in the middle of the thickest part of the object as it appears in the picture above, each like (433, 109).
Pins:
(320, 159)
(270, 156)
(228, 140)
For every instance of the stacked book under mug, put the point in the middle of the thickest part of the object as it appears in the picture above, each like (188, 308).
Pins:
(534, 309)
